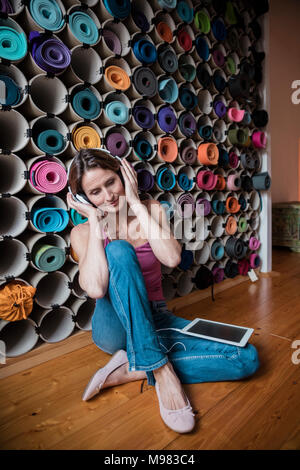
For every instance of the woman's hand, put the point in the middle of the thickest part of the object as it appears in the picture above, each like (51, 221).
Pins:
(86, 210)
(131, 183)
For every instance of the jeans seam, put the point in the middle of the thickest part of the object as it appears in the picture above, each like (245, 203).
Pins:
(153, 366)
(186, 358)
(126, 319)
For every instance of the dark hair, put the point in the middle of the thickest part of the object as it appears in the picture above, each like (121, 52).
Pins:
(85, 160)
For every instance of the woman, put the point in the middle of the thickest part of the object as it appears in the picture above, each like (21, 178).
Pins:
(119, 261)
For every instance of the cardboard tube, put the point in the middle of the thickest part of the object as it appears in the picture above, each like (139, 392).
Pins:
(12, 170)
(232, 64)
(72, 271)
(47, 251)
(13, 42)
(253, 220)
(84, 135)
(83, 311)
(15, 74)
(51, 288)
(116, 75)
(168, 202)
(13, 258)
(12, 216)
(244, 46)
(141, 17)
(84, 104)
(119, 10)
(19, 336)
(201, 256)
(54, 324)
(36, 204)
(219, 133)
(184, 283)
(41, 16)
(143, 145)
(117, 139)
(114, 40)
(71, 255)
(14, 127)
(83, 27)
(15, 10)
(47, 95)
(55, 142)
(216, 223)
(164, 27)
(205, 101)
(85, 66)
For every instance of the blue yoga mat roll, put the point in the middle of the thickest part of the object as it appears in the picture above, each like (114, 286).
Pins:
(47, 14)
(118, 8)
(50, 219)
(168, 90)
(117, 112)
(13, 45)
(83, 27)
(51, 141)
(12, 91)
(145, 51)
(86, 104)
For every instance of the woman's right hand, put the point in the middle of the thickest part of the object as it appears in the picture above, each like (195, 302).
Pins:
(86, 210)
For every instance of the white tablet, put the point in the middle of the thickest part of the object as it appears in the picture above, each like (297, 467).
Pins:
(216, 331)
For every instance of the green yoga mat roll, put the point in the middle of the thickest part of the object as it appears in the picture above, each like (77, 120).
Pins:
(13, 45)
(49, 258)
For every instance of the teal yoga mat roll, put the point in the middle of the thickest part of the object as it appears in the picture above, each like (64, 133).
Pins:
(47, 14)
(168, 90)
(50, 219)
(51, 141)
(77, 218)
(117, 112)
(83, 27)
(13, 45)
(49, 258)
(12, 91)
(86, 104)
(165, 179)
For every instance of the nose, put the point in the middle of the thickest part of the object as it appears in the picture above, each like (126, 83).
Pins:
(108, 195)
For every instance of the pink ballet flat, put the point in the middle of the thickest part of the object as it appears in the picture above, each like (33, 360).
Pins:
(181, 420)
(98, 379)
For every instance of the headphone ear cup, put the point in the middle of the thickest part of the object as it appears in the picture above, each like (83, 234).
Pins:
(82, 198)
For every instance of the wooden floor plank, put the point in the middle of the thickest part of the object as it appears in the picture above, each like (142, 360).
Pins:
(41, 408)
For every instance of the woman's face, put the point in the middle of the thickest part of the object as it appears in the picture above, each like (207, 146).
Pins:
(102, 187)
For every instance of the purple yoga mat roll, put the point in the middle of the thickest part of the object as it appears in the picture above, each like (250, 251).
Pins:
(6, 7)
(112, 41)
(145, 179)
(116, 144)
(143, 117)
(206, 208)
(51, 55)
(167, 119)
(220, 109)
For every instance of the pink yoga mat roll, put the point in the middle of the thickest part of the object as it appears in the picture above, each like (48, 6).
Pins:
(48, 176)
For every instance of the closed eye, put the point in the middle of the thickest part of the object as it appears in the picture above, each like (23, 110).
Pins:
(108, 183)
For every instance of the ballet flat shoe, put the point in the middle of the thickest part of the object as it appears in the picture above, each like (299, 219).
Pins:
(181, 420)
(98, 379)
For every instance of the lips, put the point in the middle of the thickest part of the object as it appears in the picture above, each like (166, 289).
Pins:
(114, 203)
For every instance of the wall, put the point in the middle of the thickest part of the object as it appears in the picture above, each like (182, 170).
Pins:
(284, 126)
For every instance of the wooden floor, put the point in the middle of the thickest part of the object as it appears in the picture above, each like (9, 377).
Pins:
(41, 408)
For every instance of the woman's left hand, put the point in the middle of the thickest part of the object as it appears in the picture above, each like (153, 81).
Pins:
(131, 183)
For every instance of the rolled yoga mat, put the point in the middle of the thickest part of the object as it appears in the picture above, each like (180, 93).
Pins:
(77, 218)
(261, 181)
(167, 119)
(168, 89)
(185, 182)
(116, 144)
(51, 141)
(83, 27)
(86, 104)
(234, 248)
(165, 178)
(202, 48)
(164, 31)
(187, 98)
(142, 147)
(117, 112)
(112, 41)
(186, 205)
(187, 124)
(184, 40)
(202, 21)
(51, 55)
(47, 14)
(208, 154)
(145, 51)
(189, 154)
(206, 206)
(206, 179)
(186, 69)
(243, 266)
(254, 244)
(143, 117)
(13, 45)
(145, 81)
(145, 179)
(49, 258)
(117, 77)
(6, 7)
(12, 91)
(85, 137)
(118, 8)
(48, 176)
(167, 59)
(167, 149)
(50, 219)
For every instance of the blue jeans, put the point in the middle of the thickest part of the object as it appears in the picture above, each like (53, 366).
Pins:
(125, 319)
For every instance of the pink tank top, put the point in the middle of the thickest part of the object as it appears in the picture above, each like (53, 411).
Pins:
(151, 269)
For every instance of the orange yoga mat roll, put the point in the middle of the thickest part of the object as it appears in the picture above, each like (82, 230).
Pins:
(231, 226)
(221, 183)
(117, 77)
(208, 154)
(167, 149)
(232, 205)
(16, 301)
(165, 32)
(73, 254)
(86, 137)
